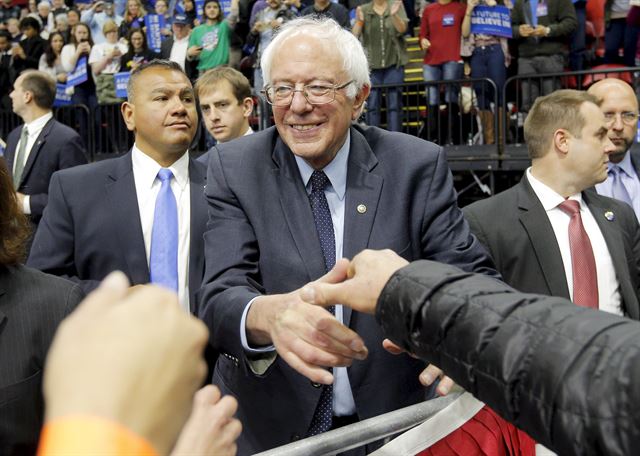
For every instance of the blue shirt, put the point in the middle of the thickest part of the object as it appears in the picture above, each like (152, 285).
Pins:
(629, 179)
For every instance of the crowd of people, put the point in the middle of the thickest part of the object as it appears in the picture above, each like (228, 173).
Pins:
(538, 37)
(250, 240)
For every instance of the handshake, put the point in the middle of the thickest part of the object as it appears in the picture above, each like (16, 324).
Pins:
(132, 357)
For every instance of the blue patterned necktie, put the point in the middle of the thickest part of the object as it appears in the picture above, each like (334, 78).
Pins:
(323, 415)
(619, 191)
(163, 259)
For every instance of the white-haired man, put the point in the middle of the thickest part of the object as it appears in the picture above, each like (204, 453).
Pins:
(284, 203)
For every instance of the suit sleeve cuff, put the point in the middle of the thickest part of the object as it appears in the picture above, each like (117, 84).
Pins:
(84, 434)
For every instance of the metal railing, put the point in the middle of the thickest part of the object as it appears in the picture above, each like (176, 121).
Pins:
(522, 100)
(453, 122)
(364, 432)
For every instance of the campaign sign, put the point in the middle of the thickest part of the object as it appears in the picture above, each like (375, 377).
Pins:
(79, 73)
(226, 6)
(63, 98)
(491, 20)
(199, 9)
(121, 80)
(154, 23)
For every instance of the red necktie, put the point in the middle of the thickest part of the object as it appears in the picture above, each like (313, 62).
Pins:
(585, 279)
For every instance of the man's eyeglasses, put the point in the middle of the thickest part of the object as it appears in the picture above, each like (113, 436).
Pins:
(315, 94)
(628, 117)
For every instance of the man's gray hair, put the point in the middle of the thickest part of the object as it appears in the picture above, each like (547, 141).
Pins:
(354, 58)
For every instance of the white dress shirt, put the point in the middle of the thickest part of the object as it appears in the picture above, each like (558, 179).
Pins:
(609, 298)
(179, 51)
(35, 128)
(629, 179)
(336, 171)
(145, 171)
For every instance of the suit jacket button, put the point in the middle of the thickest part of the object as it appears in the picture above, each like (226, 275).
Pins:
(316, 385)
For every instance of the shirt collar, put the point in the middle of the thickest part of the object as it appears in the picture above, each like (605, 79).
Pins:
(625, 165)
(336, 170)
(547, 196)
(146, 168)
(36, 126)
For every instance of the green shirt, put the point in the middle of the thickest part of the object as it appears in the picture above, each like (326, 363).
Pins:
(384, 44)
(214, 40)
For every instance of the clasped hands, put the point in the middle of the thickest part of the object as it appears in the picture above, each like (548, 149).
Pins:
(309, 338)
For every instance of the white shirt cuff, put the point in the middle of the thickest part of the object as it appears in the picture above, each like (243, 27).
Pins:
(243, 333)
(26, 206)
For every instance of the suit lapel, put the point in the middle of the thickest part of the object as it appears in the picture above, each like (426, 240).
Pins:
(613, 238)
(198, 222)
(123, 202)
(35, 150)
(297, 210)
(363, 191)
(543, 240)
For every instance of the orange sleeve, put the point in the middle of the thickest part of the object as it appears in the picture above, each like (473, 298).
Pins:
(82, 435)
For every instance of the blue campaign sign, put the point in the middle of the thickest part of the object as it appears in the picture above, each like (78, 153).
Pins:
(121, 80)
(79, 73)
(154, 23)
(491, 20)
(63, 96)
(226, 6)
(199, 9)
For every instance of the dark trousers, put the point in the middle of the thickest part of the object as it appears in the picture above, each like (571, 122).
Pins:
(488, 62)
(540, 64)
(620, 34)
(578, 39)
(390, 75)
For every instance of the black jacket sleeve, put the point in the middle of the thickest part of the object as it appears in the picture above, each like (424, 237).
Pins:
(565, 374)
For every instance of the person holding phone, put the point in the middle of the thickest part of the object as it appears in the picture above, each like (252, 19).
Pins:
(97, 15)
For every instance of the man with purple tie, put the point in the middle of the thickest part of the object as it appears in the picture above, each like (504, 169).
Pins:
(620, 107)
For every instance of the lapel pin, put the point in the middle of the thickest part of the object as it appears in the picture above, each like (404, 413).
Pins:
(361, 208)
(609, 215)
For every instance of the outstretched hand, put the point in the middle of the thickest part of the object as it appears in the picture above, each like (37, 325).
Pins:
(366, 274)
(307, 337)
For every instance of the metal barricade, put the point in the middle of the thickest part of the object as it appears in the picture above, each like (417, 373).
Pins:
(520, 93)
(444, 112)
(79, 118)
(364, 432)
(112, 138)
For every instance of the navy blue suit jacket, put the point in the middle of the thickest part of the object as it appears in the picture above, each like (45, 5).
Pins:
(58, 147)
(261, 239)
(91, 226)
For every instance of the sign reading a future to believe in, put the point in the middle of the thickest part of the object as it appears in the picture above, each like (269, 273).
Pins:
(491, 20)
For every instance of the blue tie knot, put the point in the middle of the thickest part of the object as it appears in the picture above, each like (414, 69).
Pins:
(165, 174)
(319, 181)
(616, 170)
